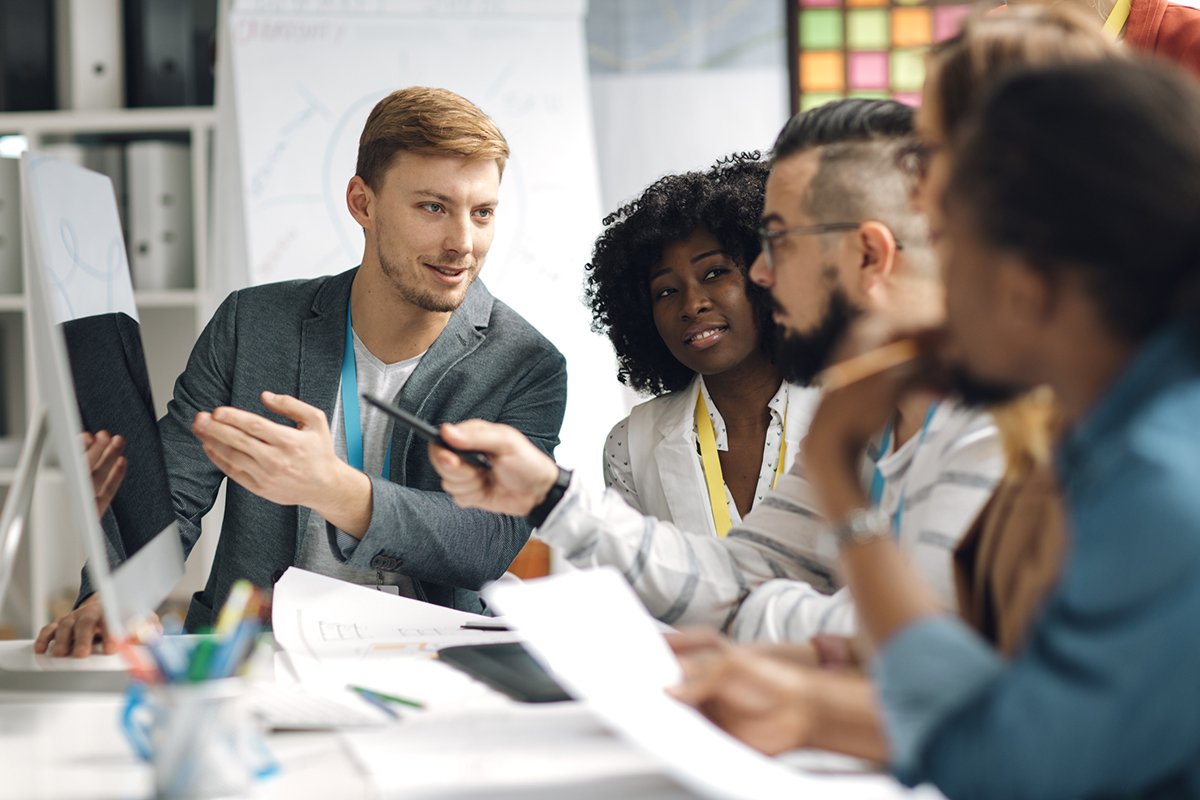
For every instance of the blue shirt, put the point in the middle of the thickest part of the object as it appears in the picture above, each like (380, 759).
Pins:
(1105, 699)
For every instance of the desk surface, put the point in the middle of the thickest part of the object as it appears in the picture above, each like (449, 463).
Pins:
(69, 745)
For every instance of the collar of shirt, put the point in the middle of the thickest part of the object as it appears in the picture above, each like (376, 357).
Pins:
(1168, 356)
(365, 358)
(777, 406)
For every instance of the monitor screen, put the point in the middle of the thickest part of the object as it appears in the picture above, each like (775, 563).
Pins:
(92, 376)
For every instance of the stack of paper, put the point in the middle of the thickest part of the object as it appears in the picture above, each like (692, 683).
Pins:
(590, 630)
(324, 618)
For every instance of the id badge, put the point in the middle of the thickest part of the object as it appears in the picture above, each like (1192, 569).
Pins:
(387, 589)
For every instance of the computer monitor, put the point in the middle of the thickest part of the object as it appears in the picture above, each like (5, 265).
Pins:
(91, 375)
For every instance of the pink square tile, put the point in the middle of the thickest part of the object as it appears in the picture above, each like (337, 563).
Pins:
(948, 20)
(868, 70)
(908, 98)
(820, 3)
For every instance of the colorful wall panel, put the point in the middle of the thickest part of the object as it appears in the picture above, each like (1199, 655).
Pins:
(865, 48)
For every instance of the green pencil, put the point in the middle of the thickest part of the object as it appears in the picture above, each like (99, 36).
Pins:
(391, 698)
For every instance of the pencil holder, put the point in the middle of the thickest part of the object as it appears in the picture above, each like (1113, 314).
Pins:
(200, 738)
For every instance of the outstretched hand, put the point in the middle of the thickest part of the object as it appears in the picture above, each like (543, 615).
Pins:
(284, 464)
(758, 698)
(520, 478)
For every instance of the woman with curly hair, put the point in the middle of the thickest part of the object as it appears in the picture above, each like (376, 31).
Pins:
(667, 283)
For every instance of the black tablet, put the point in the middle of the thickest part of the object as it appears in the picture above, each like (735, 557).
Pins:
(506, 667)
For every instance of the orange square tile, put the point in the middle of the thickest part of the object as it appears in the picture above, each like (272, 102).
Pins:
(911, 27)
(822, 72)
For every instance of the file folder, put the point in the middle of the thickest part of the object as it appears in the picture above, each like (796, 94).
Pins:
(159, 55)
(159, 187)
(89, 43)
(204, 49)
(26, 56)
(10, 226)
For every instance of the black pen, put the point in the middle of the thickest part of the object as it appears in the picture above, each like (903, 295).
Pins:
(485, 626)
(427, 431)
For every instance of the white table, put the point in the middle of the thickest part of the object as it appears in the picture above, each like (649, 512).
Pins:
(69, 746)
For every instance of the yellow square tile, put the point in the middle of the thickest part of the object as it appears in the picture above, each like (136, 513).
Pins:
(911, 27)
(822, 72)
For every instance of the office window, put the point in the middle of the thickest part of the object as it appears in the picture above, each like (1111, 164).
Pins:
(864, 48)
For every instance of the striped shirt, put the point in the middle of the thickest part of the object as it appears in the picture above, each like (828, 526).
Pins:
(942, 479)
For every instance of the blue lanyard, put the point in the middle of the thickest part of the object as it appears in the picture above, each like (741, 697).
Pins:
(350, 415)
(877, 478)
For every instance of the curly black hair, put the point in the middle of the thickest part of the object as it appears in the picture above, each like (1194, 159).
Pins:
(727, 201)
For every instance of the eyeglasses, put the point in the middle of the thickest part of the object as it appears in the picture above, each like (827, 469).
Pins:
(768, 237)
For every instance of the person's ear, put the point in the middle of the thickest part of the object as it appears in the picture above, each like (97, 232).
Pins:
(361, 202)
(877, 253)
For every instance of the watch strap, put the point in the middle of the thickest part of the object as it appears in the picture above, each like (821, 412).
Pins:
(542, 510)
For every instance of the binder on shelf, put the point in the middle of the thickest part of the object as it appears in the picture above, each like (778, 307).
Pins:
(204, 49)
(159, 186)
(10, 226)
(5, 447)
(160, 65)
(26, 56)
(89, 43)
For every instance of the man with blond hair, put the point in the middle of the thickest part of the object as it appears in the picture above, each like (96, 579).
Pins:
(270, 395)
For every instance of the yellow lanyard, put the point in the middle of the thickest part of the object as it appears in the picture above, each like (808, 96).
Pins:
(1117, 18)
(711, 463)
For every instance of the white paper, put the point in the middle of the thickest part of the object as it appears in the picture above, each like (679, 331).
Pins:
(591, 631)
(319, 617)
(553, 751)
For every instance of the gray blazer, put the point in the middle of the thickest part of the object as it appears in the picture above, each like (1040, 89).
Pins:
(288, 338)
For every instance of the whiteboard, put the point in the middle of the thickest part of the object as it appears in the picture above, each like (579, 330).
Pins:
(305, 75)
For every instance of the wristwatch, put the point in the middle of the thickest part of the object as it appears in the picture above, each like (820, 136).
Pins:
(538, 515)
(863, 525)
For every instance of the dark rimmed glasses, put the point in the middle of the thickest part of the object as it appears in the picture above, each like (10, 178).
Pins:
(768, 237)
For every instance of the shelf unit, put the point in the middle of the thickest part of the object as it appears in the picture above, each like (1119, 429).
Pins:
(50, 558)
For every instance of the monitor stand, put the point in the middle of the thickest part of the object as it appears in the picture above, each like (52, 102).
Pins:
(20, 497)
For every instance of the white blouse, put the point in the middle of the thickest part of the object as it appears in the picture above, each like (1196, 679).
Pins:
(619, 476)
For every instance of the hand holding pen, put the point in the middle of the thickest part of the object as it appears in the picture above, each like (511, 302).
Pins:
(520, 478)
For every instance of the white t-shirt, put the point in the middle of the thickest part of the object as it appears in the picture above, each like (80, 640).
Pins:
(381, 380)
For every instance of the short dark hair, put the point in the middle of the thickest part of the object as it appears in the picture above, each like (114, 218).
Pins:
(1092, 170)
(726, 201)
(861, 174)
(843, 121)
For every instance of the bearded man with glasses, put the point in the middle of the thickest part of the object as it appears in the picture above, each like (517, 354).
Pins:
(930, 471)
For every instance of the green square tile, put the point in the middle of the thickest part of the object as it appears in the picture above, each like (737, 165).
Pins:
(911, 2)
(871, 95)
(867, 28)
(908, 70)
(820, 29)
(814, 99)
